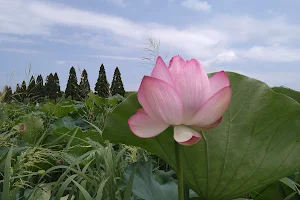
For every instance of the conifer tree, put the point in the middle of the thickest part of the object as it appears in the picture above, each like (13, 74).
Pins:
(17, 93)
(40, 91)
(72, 85)
(102, 85)
(23, 91)
(84, 85)
(31, 90)
(7, 94)
(117, 86)
(57, 85)
(48, 85)
(51, 87)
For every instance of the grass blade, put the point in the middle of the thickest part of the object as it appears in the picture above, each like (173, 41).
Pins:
(64, 186)
(128, 191)
(100, 190)
(6, 183)
(83, 191)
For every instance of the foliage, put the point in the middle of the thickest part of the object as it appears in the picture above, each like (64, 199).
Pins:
(117, 86)
(256, 143)
(84, 85)
(57, 150)
(102, 85)
(72, 85)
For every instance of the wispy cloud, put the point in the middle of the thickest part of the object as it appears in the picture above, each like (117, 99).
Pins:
(12, 39)
(116, 57)
(20, 50)
(118, 2)
(197, 5)
(68, 62)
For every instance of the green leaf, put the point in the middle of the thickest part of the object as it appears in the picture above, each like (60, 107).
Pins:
(59, 110)
(276, 191)
(33, 126)
(288, 92)
(66, 122)
(256, 144)
(145, 186)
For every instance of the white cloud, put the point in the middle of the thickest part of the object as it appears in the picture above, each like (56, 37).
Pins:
(272, 54)
(241, 29)
(225, 57)
(197, 5)
(212, 41)
(16, 18)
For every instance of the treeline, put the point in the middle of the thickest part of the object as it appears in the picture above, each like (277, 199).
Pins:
(37, 91)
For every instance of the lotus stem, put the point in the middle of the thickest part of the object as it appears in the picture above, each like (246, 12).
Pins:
(178, 154)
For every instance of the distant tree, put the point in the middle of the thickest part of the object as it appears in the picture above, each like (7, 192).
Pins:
(31, 90)
(51, 86)
(40, 91)
(48, 85)
(7, 94)
(23, 91)
(72, 85)
(17, 93)
(57, 85)
(117, 86)
(84, 85)
(102, 85)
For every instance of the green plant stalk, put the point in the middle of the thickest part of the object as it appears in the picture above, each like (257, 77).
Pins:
(178, 155)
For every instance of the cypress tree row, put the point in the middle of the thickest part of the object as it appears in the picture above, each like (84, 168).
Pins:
(72, 85)
(102, 85)
(117, 86)
(84, 85)
(31, 90)
(23, 91)
(40, 91)
(37, 90)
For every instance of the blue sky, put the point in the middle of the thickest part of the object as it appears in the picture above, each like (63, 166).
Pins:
(260, 39)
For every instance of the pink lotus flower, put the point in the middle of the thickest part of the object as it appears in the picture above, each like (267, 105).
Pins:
(181, 96)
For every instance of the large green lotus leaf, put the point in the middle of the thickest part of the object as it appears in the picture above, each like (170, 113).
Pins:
(256, 143)
(146, 187)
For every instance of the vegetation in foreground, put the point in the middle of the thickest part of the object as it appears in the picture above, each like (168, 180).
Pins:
(56, 151)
